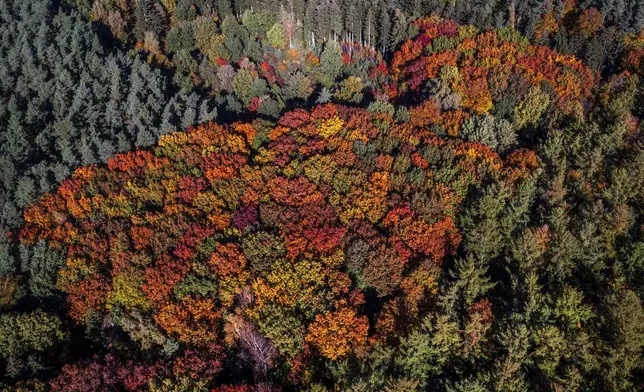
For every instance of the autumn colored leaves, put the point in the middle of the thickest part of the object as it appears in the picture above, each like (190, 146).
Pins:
(268, 239)
(181, 232)
(486, 68)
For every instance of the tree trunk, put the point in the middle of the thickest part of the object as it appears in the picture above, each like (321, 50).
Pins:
(511, 11)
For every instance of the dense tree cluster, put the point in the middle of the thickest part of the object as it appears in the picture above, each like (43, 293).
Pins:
(395, 196)
(275, 235)
(65, 102)
(493, 80)
(257, 61)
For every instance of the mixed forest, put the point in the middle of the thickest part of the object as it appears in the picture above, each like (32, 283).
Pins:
(321, 195)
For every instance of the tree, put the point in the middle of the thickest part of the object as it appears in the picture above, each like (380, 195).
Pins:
(330, 63)
(508, 373)
(104, 373)
(384, 27)
(209, 41)
(350, 90)
(224, 9)
(625, 310)
(24, 335)
(324, 96)
(276, 36)
(427, 351)
(289, 25)
(530, 109)
(25, 191)
(298, 86)
(236, 37)
(41, 265)
(255, 348)
(476, 227)
(183, 10)
(334, 334)
(181, 38)
(257, 22)
(242, 85)
(498, 134)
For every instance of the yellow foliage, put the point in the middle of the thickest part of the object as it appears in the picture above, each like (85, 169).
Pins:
(320, 168)
(170, 5)
(230, 287)
(335, 260)
(330, 127)
(365, 199)
(206, 201)
(298, 285)
(467, 31)
(127, 292)
(530, 109)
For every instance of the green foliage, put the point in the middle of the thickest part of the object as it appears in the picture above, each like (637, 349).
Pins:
(381, 107)
(209, 40)
(258, 22)
(28, 334)
(427, 352)
(41, 264)
(349, 90)
(236, 37)
(498, 134)
(298, 87)
(262, 249)
(181, 38)
(402, 114)
(626, 317)
(284, 330)
(529, 111)
(539, 287)
(270, 107)
(195, 285)
(330, 63)
(276, 36)
(184, 11)
(509, 369)
(243, 86)
(470, 284)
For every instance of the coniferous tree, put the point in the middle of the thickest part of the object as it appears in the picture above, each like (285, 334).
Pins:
(384, 27)
(330, 63)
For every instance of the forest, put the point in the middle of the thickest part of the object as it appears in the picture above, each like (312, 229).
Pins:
(321, 195)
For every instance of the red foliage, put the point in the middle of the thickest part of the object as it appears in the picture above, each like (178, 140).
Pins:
(434, 240)
(160, 280)
(485, 60)
(295, 118)
(200, 227)
(85, 295)
(201, 365)
(104, 374)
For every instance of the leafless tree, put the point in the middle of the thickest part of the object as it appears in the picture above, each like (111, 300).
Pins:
(254, 348)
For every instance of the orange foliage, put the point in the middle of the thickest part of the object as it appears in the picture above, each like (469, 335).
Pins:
(227, 260)
(590, 21)
(435, 240)
(336, 333)
(206, 225)
(193, 321)
(548, 24)
(486, 64)
(520, 164)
